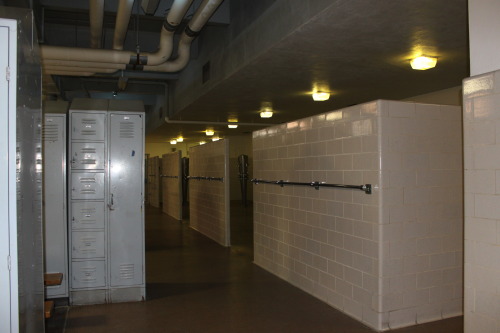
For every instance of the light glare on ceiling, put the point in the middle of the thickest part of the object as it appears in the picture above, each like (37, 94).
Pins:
(320, 96)
(422, 63)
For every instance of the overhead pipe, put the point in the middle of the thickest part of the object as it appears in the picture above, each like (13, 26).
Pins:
(79, 69)
(174, 17)
(96, 13)
(200, 18)
(121, 24)
(201, 122)
(84, 64)
(66, 73)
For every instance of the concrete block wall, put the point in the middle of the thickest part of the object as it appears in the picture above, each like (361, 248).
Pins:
(171, 185)
(482, 202)
(341, 245)
(209, 200)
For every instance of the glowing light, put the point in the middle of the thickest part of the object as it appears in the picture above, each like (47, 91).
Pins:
(209, 132)
(422, 63)
(266, 113)
(180, 139)
(216, 138)
(173, 142)
(232, 126)
(320, 96)
(202, 142)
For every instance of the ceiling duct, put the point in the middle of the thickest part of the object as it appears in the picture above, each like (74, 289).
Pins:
(121, 24)
(96, 15)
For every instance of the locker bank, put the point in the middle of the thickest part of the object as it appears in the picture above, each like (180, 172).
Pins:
(236, 166)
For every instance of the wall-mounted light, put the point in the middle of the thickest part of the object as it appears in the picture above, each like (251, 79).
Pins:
(209, 132)
(266, 110)
(266, 114)
(320, 96)
(202, 142)
(173, 142)
(423, 62)
(232, 126)
(180, 139)
(215, 138)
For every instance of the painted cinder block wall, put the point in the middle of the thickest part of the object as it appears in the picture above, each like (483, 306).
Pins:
(389, 259)
(209, 200)
(482, 202)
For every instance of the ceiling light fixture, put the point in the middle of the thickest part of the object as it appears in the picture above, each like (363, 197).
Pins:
(423, 62)
(202, 142)
(232, 126)
(180, 139)
(266, 112)
(173, 142)
(216, 138)
(320, 96)
(209, 132)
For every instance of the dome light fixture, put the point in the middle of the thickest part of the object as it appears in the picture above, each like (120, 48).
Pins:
(423, 62)
(320, 96)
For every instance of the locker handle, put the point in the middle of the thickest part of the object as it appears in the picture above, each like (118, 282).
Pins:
(111, 203)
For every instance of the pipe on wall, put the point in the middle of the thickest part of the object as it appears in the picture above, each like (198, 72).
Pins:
(96, 13)
(201, 122)
(121, 24)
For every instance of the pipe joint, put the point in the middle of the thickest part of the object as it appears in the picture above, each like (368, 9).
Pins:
(190, 32)
(138, 60)
(169, 27)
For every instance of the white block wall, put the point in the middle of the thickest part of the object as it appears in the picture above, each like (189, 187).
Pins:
(389, 259)
(482, 203)
(171, 187)
(209, 200)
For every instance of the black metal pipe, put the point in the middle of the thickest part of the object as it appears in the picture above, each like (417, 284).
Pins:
(367, 188)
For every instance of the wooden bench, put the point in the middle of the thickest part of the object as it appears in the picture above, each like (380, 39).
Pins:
(51, 279)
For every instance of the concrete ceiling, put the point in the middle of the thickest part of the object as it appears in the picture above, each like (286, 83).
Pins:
(360, 49)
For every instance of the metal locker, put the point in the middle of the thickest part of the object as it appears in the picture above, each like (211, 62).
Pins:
(88, 126)
(55, 215)
(126, 227)
(87, 185)
(87, 155)
(87, 244)
(87, 215)
(88, 274)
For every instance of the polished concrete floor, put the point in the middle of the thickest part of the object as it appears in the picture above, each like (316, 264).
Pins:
(195, 285)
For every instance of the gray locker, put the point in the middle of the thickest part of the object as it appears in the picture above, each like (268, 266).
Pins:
(88, 126)
(87, 215)
(87, 244)
(87, 155)
(88, 274)
(125, 215)
(87, 185)
(107, 197)
(55, 215)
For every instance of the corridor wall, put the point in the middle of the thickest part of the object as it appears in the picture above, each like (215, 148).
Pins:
(209, 199)
(154, 181)
(171, 181)
(390, 259)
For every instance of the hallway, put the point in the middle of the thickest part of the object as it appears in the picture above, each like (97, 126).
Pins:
(195, 285)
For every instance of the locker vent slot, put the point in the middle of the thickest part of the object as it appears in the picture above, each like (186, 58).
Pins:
(127, 130)
(88, 274)
(50, 132)
(89, 191)
(87, 180)
(89, 161)
(127, 271)
(89, 121)
(88, 132)
(88, 150)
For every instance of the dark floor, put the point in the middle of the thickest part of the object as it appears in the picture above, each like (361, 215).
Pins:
(195, 285)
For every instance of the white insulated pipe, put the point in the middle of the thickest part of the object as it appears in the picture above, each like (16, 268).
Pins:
(175, 15)
(79, 69)
(200, 18)
(51, 72)
(96, 13)
(83, 64)
(121, 24)
(202, 122)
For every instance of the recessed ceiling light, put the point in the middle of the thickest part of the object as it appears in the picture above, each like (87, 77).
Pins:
(423, 63)
(209, 132)
(320, 96)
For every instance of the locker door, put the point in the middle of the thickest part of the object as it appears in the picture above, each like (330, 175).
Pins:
(88, 126)
(87, 155)
(126, 226)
